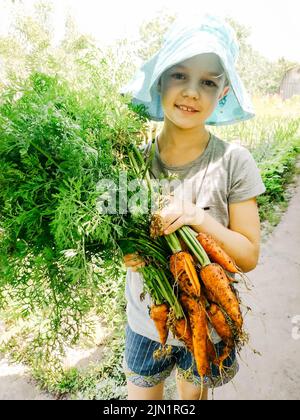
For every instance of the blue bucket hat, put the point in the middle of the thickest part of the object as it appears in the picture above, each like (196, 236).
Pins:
(187, 38)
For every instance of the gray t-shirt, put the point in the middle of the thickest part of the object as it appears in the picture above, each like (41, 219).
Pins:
(224, 173)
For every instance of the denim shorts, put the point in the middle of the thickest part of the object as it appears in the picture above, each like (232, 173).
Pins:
(143, 370)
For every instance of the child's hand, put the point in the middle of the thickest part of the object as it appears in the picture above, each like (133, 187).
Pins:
(180, 213)
(133, 261)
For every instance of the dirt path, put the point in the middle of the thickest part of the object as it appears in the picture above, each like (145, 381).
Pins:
(275, 304)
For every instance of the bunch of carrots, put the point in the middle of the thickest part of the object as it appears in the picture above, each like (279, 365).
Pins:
(191, 289)
(203, 291)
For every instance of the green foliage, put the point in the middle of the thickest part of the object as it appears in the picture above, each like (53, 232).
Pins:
(276, 174)
(275, 145)
(57, 143)
(62, 129)
(151, 34)
(32, 343)
(102, 381)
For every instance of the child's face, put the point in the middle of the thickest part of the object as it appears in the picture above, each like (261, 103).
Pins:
(192, 85)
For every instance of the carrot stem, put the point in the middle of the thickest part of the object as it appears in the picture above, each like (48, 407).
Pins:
(142, 163)
(191, 246)
(160, 289)
(141, 160)
(173, 243)
(189, 238)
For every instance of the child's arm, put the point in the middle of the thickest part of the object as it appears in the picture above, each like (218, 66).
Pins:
(241, 240)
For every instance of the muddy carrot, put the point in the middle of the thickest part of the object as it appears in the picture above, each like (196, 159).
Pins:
(216, 253)
(218, 321)
(217, 284)
(182, 267)
(211, 351)
(209, 296)
(159, 314)
(184, 272)
(183, 332)
(198, 321)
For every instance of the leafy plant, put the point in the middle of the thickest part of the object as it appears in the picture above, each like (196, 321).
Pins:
(56, 144)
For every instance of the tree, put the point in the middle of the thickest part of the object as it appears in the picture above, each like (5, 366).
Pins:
(151, 34)
(260, 75)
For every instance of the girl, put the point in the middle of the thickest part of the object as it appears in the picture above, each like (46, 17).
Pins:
(189, 84)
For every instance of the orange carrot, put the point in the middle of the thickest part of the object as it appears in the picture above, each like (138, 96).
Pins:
(183, 269)
(211, 352)
(218, 321)
(209, 296)
(216, 359)
(159, 314)
(198, 321)
(216, 253)
(216, 282)
(183, 333)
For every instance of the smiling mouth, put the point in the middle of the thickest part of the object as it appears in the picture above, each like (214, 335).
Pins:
(186, 110)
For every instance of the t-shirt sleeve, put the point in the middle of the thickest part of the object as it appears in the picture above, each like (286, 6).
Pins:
(245, 180)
